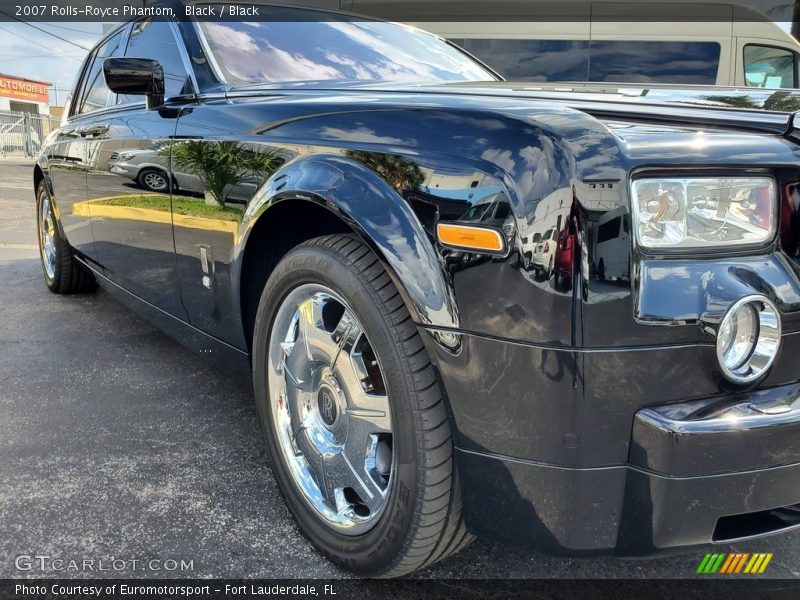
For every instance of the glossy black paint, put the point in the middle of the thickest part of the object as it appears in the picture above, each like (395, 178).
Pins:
(142, 76)
(545, 367)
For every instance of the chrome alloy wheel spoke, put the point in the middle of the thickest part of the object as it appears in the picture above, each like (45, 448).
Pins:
(330, 408)
(47, 230)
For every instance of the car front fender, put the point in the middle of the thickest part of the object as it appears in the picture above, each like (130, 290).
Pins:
(378, 214)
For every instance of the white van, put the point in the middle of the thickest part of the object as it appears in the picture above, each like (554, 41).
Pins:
(613, 245)
(710, 43)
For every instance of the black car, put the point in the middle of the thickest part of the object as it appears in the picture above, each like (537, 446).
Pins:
(407, 405)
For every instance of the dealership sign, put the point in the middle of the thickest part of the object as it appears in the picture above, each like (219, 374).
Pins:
(24, 89)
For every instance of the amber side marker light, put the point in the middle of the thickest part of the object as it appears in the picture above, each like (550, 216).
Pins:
(468, 237)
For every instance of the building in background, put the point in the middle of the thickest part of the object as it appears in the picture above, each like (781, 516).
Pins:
(25, 118)
(19, 94)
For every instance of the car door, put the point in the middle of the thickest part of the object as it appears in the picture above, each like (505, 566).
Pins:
(68, 155)
(131, 210)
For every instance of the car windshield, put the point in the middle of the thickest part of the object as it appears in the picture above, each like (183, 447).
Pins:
(293, 45)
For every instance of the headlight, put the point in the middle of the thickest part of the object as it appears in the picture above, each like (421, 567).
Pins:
(703, 212)
(125, 156)
(748, 339)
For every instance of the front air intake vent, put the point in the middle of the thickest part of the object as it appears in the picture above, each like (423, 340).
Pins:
(753, 524)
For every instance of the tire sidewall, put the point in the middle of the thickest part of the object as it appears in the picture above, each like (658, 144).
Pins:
(143, 183)
(374, 550)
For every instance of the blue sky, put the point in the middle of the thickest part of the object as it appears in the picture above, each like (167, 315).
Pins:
(28, 52)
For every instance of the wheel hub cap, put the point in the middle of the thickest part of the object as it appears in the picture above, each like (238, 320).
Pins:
(155, 181)
(328, 402)
(330, 410)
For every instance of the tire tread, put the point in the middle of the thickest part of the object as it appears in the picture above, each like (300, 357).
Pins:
(434, 533)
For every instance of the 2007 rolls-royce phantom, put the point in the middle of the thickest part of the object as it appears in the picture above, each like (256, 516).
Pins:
(566, 318)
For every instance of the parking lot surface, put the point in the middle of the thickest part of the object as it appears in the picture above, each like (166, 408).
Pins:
(117, 443)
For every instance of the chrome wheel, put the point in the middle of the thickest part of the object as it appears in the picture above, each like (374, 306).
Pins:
(329, 408)
(47, 233)
(155, 181)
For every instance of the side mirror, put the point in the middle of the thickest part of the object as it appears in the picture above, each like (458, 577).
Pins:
(136, 76)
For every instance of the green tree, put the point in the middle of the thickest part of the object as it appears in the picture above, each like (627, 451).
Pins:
(779, 100)
(222, 165)
(401, 173)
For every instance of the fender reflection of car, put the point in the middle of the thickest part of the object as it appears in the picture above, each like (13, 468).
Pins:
(148, 168)
(612, 247)
(544, 254)
(527, 246)
(564, 264)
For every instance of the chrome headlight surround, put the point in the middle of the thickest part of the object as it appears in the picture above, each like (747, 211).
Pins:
(674, 213)
(748, 364)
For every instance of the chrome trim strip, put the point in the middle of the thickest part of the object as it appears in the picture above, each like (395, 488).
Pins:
(212, 61)
(745, 415)
(187, 63)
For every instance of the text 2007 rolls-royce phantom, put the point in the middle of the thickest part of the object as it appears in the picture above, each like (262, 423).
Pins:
(348, 211)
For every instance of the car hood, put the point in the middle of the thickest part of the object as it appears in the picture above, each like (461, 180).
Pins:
(750, 108)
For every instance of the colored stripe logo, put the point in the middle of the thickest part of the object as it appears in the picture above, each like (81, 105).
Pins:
(734, 563)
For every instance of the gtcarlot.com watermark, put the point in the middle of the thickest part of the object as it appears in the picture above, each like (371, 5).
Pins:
(53, 564)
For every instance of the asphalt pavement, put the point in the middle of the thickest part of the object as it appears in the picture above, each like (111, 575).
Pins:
(116, 444)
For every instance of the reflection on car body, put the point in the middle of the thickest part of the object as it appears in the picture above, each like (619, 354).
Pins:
(149, 168)
(612, 246)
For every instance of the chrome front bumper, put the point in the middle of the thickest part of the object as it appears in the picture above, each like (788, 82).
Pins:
(754, 430)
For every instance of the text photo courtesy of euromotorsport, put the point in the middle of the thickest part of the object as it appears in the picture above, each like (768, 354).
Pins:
(74, 590)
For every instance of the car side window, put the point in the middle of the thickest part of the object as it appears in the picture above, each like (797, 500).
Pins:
(769, 67)
(156, 40)
(537, 60)
(94, 92)
(609, 230)
(654, 62)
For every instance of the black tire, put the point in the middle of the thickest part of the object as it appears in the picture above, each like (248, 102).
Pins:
(527, 261)
(422, 520)
(69, 277)
(601, 270)
(142, 180)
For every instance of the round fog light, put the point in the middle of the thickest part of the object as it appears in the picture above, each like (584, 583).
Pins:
(748, 339)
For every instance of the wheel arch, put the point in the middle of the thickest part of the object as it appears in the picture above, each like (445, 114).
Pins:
(40, 174)
(327, 194)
